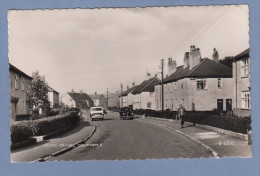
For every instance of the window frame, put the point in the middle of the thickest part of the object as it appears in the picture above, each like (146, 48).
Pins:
(221, 83)
(204, 84)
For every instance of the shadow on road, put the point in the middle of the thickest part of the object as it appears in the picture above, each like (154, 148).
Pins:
(188, 126)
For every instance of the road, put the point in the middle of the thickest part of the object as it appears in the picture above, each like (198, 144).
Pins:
(117, 139)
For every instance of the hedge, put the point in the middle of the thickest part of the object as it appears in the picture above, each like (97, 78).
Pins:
(235, 124)
(20, 117)
(53, 112)
(22, 130)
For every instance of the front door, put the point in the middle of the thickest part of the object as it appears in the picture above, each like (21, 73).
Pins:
(220, 104)
(229, 104)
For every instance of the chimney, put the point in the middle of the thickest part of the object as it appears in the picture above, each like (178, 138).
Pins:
(171, 66)
(186, 59)
(215, 55)
(195, 56)
(133, 84)
(72, 91)
(95, 93)
(81, 92)
(148, 75)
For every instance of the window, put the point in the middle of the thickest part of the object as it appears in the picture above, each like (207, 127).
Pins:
(175, 86)
(182, 102)
(246, 100)
(172, 104)
(201, 84)
(182, 86)
(22, 84)
(166, 103)
(245, 68)
(219, 83)
(16, 82)
(149, 105)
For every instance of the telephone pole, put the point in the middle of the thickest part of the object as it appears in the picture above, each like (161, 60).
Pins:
(162, 65)
(107, 98)
(121, 86)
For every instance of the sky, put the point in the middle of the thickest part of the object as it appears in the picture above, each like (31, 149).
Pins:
(98, 49)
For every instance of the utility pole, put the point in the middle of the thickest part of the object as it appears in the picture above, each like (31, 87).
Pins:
(162, 65)
(121, 86)
(107, 98)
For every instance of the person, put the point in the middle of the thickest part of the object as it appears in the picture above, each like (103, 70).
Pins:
(181, 114)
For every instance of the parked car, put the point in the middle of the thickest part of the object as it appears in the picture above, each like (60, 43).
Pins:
(126, 113)
(97, 113)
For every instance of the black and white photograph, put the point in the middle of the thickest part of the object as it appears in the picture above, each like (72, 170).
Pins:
(129, 83)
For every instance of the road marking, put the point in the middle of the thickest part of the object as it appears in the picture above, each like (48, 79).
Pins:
(214, 153)
(207, 135)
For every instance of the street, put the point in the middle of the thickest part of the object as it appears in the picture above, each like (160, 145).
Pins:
(117, 139)
(141, 138)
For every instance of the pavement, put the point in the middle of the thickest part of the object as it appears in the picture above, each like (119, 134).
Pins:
(225, 145)
(53, 145)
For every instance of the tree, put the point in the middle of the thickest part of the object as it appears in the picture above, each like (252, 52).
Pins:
(226, 61)
(37, 93)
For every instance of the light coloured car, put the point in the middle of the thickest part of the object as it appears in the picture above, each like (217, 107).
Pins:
(97, 113)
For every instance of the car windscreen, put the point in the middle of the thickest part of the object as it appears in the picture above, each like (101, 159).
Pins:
(96, 109)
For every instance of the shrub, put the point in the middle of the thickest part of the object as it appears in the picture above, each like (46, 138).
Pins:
(22, 130)
(53, 112)
(239, 125)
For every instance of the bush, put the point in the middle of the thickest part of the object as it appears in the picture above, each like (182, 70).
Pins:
(23, 117)
(239, 125)
(22, 130)
(53, 112)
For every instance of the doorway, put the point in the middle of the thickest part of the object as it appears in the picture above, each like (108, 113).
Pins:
(220, 104)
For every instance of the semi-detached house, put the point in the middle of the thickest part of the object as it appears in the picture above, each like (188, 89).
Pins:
(199, 84)
(241, 84)
(128, 97)
(144, 97)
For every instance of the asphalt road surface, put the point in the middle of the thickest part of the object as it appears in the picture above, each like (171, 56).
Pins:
(117, 139)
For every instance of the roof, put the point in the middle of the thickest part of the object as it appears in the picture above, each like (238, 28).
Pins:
(205, 69)
(98, 96)
(210, 69)
(244, 54)
(52, 90)
(13, 68)
(125, 93)
(78, 97)
(146, 86)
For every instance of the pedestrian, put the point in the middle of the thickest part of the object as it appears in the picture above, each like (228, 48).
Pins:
(181, 114)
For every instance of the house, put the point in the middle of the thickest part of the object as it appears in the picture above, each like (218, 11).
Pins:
(77, 100)
(144, 97)
(241, 84)
(114, 100)
(199, 84)
(128, 97)
(53, 97)
(18, 84)
(99, 100)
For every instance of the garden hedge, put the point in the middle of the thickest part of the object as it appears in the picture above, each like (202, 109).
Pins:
(22, 130)
(235, 124)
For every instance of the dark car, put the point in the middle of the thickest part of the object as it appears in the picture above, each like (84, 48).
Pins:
(126, 113)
